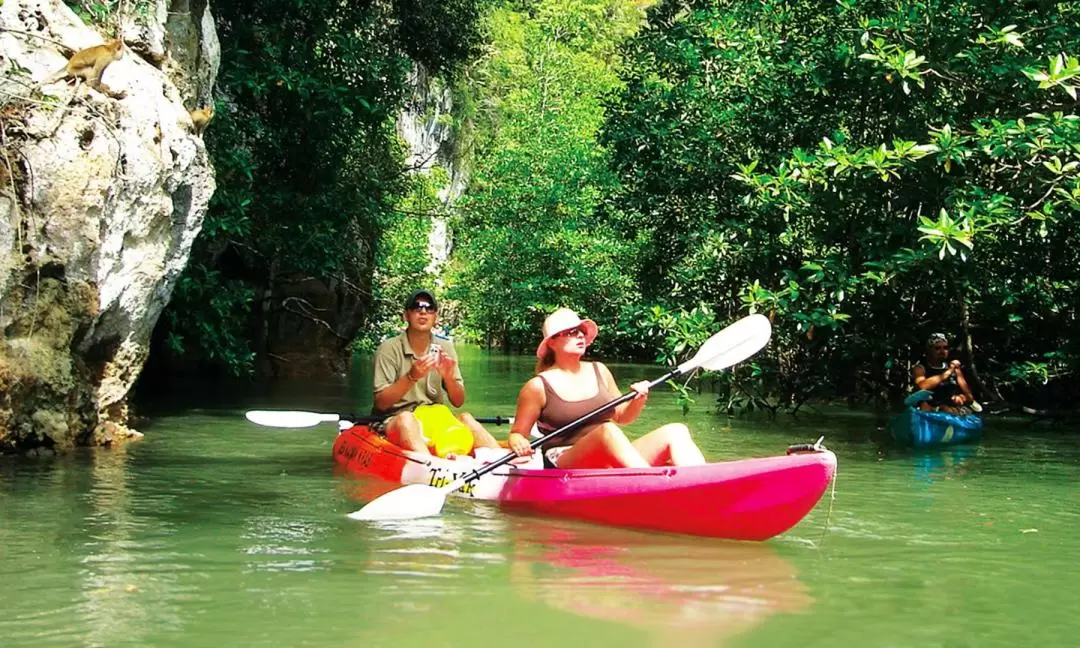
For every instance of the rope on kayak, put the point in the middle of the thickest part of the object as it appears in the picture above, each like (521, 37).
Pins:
(817, 446)
(832, 501)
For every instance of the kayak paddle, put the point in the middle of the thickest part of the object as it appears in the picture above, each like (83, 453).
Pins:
(732, 345)
(917, 397)
(297, 419)
(924, 395)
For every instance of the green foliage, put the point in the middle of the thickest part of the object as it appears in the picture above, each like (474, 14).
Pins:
(401, 261)
(309, 166)
(863, 171)
(105, 12)
(441, 33)
(220, 325)
(92, 12)
(531, 233)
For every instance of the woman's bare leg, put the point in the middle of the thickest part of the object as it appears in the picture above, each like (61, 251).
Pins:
(481, 437)
(605, 447)
(670, 444)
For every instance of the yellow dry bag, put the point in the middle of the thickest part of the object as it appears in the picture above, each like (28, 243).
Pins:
(445, 433)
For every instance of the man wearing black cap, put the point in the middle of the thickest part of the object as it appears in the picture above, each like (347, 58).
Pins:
(416, 368)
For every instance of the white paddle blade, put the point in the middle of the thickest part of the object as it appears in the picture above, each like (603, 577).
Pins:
(289, 419)
(731, 345)
(405, 503)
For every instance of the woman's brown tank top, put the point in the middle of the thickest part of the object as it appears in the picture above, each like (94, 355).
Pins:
(558, 412)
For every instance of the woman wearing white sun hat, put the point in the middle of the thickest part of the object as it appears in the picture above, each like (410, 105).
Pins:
(553, 399)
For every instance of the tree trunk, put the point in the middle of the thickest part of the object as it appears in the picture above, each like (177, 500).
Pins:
(970, 372)
(262, 335)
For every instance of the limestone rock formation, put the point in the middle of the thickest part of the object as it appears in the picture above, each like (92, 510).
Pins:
(100, 201)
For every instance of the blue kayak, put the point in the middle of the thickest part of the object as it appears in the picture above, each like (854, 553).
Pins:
(920, 429)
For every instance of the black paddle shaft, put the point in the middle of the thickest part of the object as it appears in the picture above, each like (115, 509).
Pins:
(480, 472)
(378, 418)
(497, 420)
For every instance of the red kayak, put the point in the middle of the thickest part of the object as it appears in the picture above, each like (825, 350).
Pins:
(747, 499)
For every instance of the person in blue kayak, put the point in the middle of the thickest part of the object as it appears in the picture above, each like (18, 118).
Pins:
(566, 388)
(943, 378)
(416, 374)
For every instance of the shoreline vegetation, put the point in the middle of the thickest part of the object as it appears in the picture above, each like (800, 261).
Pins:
(862, 173)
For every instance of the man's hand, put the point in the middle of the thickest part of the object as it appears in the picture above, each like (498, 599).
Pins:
(446, 366)
(422, 365)
(954, 366)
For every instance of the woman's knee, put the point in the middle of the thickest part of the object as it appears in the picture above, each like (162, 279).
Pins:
(678, 431)
(671, 433)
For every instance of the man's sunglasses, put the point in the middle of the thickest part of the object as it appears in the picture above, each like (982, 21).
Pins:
(423, 307)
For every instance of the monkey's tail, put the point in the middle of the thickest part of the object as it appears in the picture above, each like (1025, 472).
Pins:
(56, 76)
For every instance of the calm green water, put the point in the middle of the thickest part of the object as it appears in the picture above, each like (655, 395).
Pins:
(214, 532)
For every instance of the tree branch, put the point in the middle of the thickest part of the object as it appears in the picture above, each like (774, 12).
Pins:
(304, 310)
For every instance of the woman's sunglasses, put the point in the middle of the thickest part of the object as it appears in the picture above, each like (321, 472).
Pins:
(576, 331)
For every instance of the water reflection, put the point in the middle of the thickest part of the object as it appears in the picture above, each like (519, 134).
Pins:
(684, 591)
(127, 578)
(693, 591)
(435, 554)
(688, 590)
(944, 463)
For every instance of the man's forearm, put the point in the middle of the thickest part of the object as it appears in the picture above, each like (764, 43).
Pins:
(386, 398)
(933, 381)
(455, 391)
